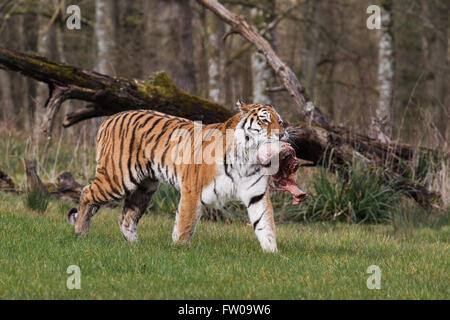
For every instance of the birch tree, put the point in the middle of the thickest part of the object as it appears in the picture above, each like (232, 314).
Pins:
(386, 61)
(262, 74)
(216, 30)
(104, 35)
(105, 30)
(45, 47)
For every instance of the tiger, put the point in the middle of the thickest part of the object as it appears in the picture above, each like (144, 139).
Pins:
(137, 150)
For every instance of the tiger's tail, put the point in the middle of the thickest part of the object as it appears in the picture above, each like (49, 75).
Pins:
(72, 216)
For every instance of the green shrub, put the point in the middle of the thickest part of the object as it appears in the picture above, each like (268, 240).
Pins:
(165, 200)
(354, 193)
(37, 200)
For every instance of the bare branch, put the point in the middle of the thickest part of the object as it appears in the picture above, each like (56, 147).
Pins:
(297, 92)
(275, 89)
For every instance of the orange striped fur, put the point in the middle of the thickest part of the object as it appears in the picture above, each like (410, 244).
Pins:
(136, 150)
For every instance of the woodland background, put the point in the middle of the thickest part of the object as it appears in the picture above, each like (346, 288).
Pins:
(354, 218)
(326, 43)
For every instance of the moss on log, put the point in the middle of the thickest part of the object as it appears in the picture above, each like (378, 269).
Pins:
(108, 95)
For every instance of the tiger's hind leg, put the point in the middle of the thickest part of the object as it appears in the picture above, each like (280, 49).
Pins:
(81, 218)
(134, 207)
(187, 216)
(92, 197)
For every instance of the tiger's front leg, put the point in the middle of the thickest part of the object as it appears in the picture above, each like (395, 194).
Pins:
(187, 216)
(260, 212)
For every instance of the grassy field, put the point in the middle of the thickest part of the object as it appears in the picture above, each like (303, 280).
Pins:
(224, 261)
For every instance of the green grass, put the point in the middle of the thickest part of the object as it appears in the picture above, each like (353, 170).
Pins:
(316, 260)
(224, 261)
(51, 157)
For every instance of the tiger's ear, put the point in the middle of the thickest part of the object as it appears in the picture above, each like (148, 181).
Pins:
(244, 108)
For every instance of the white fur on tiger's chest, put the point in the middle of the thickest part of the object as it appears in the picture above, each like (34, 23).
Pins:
(220, 191)
(232, 186)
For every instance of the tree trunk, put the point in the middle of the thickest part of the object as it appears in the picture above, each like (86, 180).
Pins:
(438, 69)
(107, 95)
(311, 49)
(169, 41)
(8, 114)
(45, 42)
(105, 31)
(215, 31)
(186, 46)
(386, 69)
(262, 74)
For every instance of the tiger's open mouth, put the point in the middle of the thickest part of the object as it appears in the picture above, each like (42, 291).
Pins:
(284, 178)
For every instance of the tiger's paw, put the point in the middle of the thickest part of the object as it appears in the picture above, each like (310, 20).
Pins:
(268, 243)
(129, 234)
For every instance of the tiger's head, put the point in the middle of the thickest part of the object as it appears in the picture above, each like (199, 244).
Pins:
(259, 124)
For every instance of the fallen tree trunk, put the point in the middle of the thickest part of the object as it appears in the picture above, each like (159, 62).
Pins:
(65, 188)
(109, 95)
(334, 147)
(6, 183)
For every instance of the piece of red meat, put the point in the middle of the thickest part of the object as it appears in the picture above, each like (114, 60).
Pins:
(284, 178)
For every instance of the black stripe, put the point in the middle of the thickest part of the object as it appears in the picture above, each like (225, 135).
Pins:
(149, 168)
(108, 180)
(133, 114)
(174, 173)
(226, 167)
(255, 224)
(141, 170)
(188, 140)
(163, 156)
(215, 190)
(141, 148)
(255, 199)
(155, 140)
(163, 131)
(137, 118)
(112, 147)
(256, 169)
(102, 192)
(122, 138)
(149, 117)
(153, 126)
(121, 124)
(130, 156)
(112, 123)
(257, 180)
